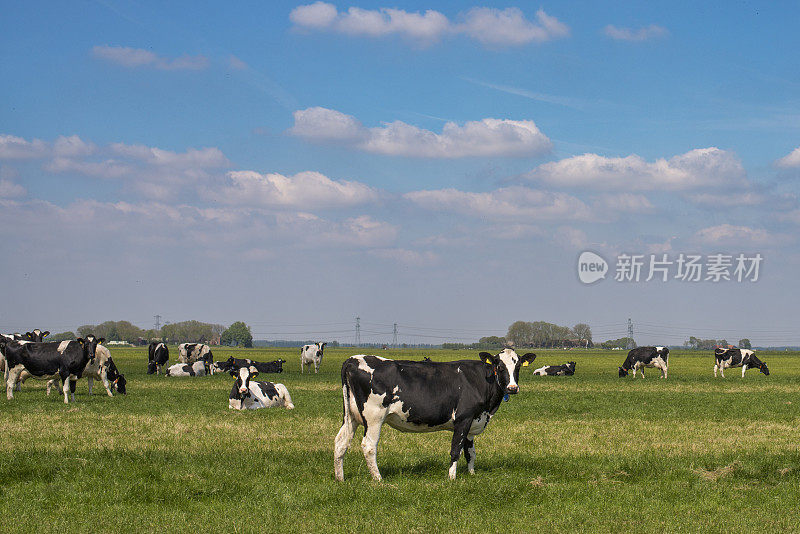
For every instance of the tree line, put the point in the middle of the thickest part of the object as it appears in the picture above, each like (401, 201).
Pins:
(237, 334)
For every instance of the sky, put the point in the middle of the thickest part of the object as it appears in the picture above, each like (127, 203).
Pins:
(439, 165)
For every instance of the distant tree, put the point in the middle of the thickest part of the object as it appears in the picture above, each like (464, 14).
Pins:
(63, 336)
(745, 344)
(521, 334)
(582, 331)
(237, 334)
(621, 343)
(113, 331)
(492, 342)
(191, 332)
(334, 344)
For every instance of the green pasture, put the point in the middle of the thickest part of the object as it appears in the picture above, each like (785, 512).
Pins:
(591, 453)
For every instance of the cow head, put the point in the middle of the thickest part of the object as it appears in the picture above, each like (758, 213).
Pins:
(505, 368)
(89, 345)
(37, 336)
(763, 367)
(320, 349)
(243, 379)
(152, 367)
(623, 372)
(120, 383)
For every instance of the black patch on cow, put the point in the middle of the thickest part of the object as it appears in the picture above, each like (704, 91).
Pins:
(268, 389)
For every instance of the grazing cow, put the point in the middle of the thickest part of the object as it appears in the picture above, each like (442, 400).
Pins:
(311, 354)
(66, 360)
(198, 368)
(191, 352)
(566, 369)
(103, 369)
(745, 358)
(412, 396)
(232, 364)
(642, 357)
(157, 356)
(248, 394)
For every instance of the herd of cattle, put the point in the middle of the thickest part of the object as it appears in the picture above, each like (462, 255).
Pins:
(410, 396)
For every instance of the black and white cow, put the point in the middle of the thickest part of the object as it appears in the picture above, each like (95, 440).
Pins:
(642, 357)
(198, 368)
(157, 356)
(232, 364)
(745, 358)
(566, 369)
(311, 354)
(103, 368)
(191, 352)
(413, 396)
(248, 394)
(65, 360)
(37, 336)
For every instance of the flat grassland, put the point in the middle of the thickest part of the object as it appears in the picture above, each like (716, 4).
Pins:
(592, 453)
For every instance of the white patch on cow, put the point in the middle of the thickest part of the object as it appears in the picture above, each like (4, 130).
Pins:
(510, 359)
(63, 346)
(541, 371)
(396, 390)
(160, 345)
(479, 425)
(452, 472)
(746, 352)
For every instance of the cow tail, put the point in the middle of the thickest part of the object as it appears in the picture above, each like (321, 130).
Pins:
(345, 396)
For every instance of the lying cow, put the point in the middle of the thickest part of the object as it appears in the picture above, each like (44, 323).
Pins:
(642, 357)
(199, 368)
(745, 358)
(232, 364)
(566, 369)
(248, 394)
(65, 360)
(157, 356)
(191, 352)
(311, 354)
(413, 396)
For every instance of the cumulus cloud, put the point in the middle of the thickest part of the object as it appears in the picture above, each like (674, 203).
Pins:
(728, 199)
(623, 202)
(488, 26)
(488, 137)
(699, 168)
(304, 190)
(13, 147)
(208, 157)
(645, 33)
(509, 203)
(790, 161)
(9, 189)
(730, 235)
(98, 169)
(138, 57)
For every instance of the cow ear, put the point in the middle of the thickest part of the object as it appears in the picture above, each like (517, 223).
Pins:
(45, 334)
(80, 340)
(253, 371)
(100, 341)
(486, 357)
(527, 359)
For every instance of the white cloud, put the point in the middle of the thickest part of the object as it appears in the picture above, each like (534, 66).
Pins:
(645, 33)
(509, 27)
(728, 199)
(623, 202)
(208, 157)
(569, 237)
(72, 146)
(98, 169)
(9, 189)
(488, 26)
(791, 160)
(488, 137)
(137, 57)
(699, 168)
(730, 235)
(12, 147)
(506, 203)
(405, 256)
(304, 190)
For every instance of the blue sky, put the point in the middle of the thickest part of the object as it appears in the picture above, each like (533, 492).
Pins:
(436, 164)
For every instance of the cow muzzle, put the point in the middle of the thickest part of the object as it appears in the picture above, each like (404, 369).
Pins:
(512, 390)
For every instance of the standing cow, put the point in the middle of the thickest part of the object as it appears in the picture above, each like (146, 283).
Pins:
(642, 357)
(413, 396)
(65, 360)
(157, 356)
(311, 354)
(745, 358)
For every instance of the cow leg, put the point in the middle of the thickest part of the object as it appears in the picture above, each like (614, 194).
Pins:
(459, 439)
(722, 371)
(302, 366)
(50, 384)
(73, 384)
(370, 445)
(11, 380)
(469, 454)
(744, 368)
(65, 388)
(316, 367)
(341, 444)
(90, 380)
(664, 372)
(715, 370)
(106, 383)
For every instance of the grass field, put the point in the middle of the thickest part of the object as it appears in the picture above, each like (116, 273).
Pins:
(591, 452)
